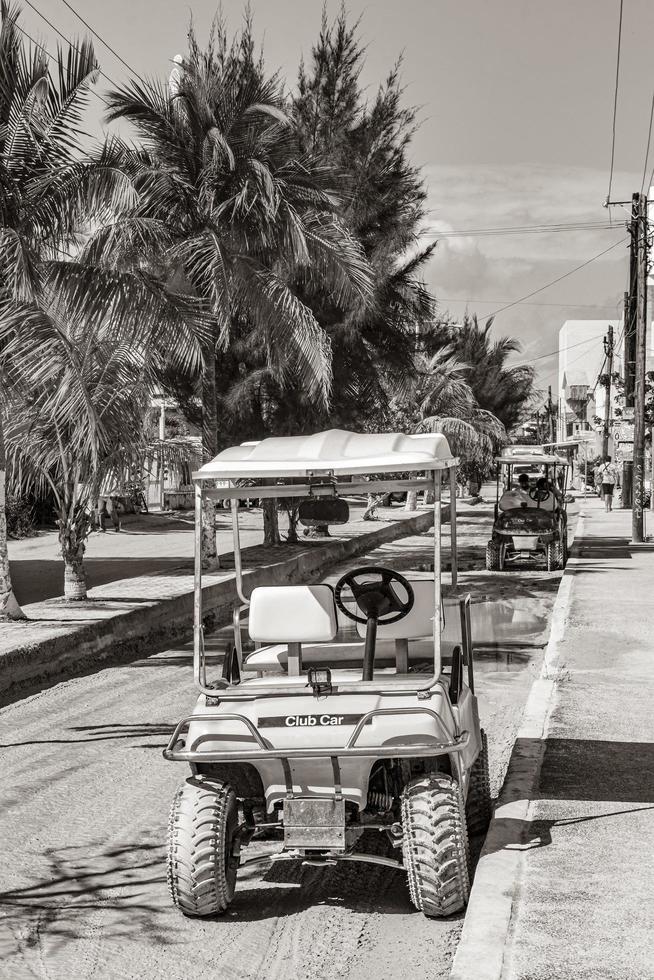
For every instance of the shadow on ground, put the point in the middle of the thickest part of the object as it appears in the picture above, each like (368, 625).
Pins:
(591, 771)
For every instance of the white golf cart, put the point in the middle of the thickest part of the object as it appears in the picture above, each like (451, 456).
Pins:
(354, 713)
(530, 509)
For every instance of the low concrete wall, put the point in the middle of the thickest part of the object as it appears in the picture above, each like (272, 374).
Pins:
(134, 617)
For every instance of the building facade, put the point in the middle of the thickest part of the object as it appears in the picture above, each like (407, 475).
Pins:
(583, 373)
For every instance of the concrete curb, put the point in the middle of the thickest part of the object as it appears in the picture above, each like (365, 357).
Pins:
(482, 949)
(151, 623)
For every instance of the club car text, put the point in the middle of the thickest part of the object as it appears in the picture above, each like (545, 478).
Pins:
(308, 721)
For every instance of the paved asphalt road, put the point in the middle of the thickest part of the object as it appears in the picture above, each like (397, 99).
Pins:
(86, 799)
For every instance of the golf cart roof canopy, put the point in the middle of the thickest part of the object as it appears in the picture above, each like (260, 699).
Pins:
(530, 455)
(335, 452)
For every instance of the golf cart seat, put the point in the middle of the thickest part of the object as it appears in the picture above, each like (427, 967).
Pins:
(303, 615)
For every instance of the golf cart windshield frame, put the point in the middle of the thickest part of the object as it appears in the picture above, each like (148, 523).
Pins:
(505, 464)
(325, 484)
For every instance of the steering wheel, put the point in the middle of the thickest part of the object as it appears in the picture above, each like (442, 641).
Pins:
(376, 598)
(540, 492)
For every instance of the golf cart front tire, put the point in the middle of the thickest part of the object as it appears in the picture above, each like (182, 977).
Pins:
(555, 555)
(435, 845)
(493, 557)
(202, 847)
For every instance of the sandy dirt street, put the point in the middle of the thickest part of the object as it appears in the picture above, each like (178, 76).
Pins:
(86, 795)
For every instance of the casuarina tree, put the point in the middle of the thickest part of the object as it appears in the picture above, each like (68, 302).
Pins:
(367, 140)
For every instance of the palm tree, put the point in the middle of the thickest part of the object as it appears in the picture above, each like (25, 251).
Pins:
(506, 391)
(42, 180)
(229, 204)
(50, 194)
(441, 399)
(50, 451)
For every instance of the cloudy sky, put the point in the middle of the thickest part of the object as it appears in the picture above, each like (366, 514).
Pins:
(516, 102)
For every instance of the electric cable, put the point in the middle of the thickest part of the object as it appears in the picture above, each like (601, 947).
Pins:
(38, 44)
(615, 101)
(565, 306)
(547, 285)
(575, 360)
(649, 139)
(539, 229)
(62, 36)
(103, 42)
(551, 353)
(599, 375)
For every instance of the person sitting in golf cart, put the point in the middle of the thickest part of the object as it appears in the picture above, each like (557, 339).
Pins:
(554, 487)
(543, 495)
(517, 496)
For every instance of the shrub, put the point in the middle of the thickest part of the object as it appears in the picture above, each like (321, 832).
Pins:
(20, 518)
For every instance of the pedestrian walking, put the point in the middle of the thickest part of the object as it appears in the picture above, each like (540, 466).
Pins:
(608, 478)
(108, 508)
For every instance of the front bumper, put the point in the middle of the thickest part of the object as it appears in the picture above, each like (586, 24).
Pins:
(177, 750)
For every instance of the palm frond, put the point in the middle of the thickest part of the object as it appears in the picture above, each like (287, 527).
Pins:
(289, 328)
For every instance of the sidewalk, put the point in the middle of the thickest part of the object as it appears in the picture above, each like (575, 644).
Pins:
(127, 617)
(563, 889)
(147, 543)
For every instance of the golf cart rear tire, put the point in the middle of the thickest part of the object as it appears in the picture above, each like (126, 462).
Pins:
(435, 845)
(479, 804)
(492, 557)
(202, 852)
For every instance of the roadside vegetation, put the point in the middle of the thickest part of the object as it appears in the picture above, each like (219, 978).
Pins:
(248, 247)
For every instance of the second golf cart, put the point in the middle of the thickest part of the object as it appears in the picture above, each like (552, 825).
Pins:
(530, 511)
(353, 714)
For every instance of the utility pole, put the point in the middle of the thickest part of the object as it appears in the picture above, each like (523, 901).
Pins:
(550, 414)
(608, 350)
(628, 360)
(641, 232)
(630, 347)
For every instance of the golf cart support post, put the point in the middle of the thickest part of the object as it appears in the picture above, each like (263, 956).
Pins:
(323, 484)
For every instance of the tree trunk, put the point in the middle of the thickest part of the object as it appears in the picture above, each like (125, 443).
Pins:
(209, 550)
(411, 500)
(72, 552)
(293, 517)
(271, 536)
(374, 501)
(9, 608)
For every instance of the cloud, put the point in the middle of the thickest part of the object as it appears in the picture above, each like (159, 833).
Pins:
(488, 272)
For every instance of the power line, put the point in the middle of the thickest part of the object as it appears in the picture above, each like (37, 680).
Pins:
(551, 353)
(649, 138)
(599, 375)
(565, 306)
(554, 281)
(615, 101)
(542, 229)
(102, 41)
(62, 36)
(551, 374)
(52, 57)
